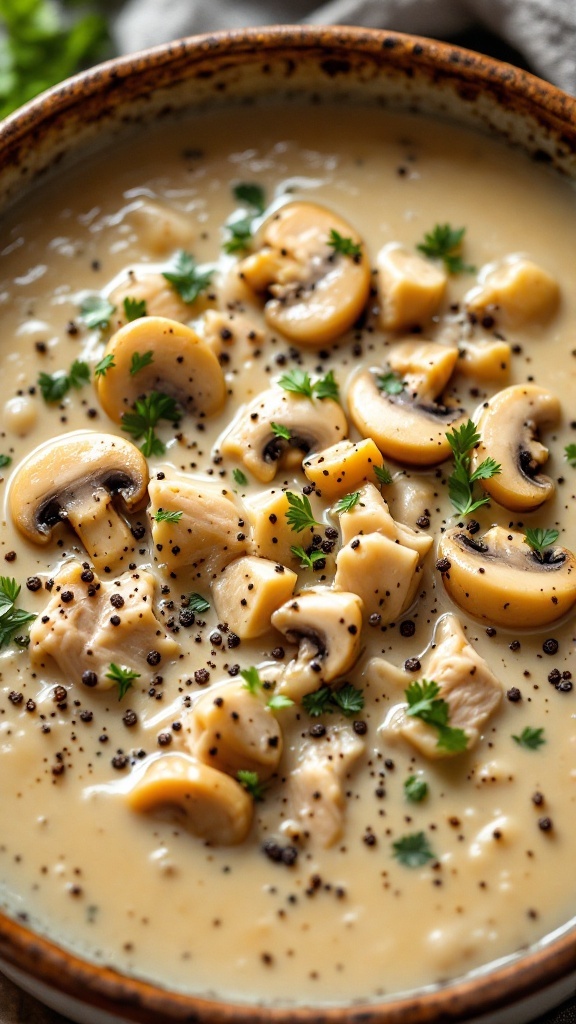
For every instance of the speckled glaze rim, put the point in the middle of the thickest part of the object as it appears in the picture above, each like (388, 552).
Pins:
(49, 125)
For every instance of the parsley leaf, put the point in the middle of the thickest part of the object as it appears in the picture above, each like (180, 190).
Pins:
(251, 783)
(5, 460)
(105, 364)
(140, 361)
(240, 226)
(391, 383)
(415, 789)
(197, 603)
(444, 243)
(327, 387)
(413, 851)
(539, 540)
(96, 311)
(424, 703)
(252, 194)
(251, 677)
(79, 374)
(134, 309)
(462, 440)
(279, 701)
(280, 431)
(55, 385)
(530, 739)
(123, 676)
(347, 503)
(299, 383)
(165, 516)
(344, 246)
(186, 279)
(146, 413)
(348, 700)
(307, 561)
(239, 478)
(299, 516)
(240, 235)
(382, 474)
(570, 454)
(11, 618)
(319, 702)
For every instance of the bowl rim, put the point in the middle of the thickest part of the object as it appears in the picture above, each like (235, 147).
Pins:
(488, 990)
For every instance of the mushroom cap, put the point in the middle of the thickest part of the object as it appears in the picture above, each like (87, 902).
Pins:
(66, 471)
(317, 293)
(403, 429)
(508, 427)
(183, 366)
(314, 424)
(499, 578)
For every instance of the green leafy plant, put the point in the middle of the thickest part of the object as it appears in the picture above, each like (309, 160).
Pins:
(382, 474)
(253, 683)
(134, 309)
(5, 460)
(570, 454)
(11, 618)
(251, 783)
(444, 243)
(186, 278)
(54, 386)
(239, 478)
(166, 516)
(96, 311)
(391, 383)
(123, 676)
(139, 361)
(299, 382)
(280, 431)
(462, 480)
(146, 413)
(307, 561)
(197, 603)
(344, 246)
(348, 700)
(424, 703)
(530, 738)
(415, 789)
(347, 503)
(299, 516)
(105, 364)
(413, 851)
(539, 540)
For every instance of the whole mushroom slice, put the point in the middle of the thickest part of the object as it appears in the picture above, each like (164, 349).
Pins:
(315, 293)
(409, 425)
(210, 804)
(313, 424)
(499, 578)
(179, 364)
(509, 429)
(80, 478)
(326, 624)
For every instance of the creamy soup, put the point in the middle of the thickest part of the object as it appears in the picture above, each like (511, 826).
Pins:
(207, 781)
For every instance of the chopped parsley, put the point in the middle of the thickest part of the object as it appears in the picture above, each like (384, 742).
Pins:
(144, 417)
(424, 703)
(240, 235)
(140, 361)
(444, 243)
(163, 515)
(197, 603)
(307, 561)
(415, 789)
(134, 309)
(347, 503)
(299, 516)
(105, 364)
(348, 700)
(539, 540)
(530, 739)
(391, 383)
(251, 783)
(186, 278)
(280, 431)
(241, 226)
(254, 684)
(251, 194)
(382, 474)
(96, 311)
(461, 482)
(11, 618)
(55, 385)
(344, 246)
(279, 701)
(123, 676)
(239, 478)
(5, 460)
(413, 851)
(570, 454)
(299, 383)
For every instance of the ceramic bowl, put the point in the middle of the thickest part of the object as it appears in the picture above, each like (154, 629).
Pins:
(397, 71)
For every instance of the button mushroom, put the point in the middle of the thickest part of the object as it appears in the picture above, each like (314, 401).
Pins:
(327, 625)
(498, 577)
(508, 428)
(516, 290)
(78, 478)
(315, 291)
(208, 802)
(313, 424)
(408, 423)
(179, 364)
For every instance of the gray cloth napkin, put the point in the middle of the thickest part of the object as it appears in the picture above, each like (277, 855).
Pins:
(543, 31)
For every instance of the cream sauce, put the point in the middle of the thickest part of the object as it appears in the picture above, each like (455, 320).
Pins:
(351, 922)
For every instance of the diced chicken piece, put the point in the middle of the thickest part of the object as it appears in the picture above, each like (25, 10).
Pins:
(248, 591)
(485, 360)
(411, 288)
(162, 229)
(145, 285)
(466, 683)
(89, 624)
(231, 729)
(222, 330)
(271, 535)
(343, 467)
(209, 534)
(317, 785)
(515, 291)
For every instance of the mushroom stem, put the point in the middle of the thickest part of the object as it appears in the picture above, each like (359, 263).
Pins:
(103, 532)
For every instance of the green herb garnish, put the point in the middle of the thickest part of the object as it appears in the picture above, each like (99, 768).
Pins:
(55, 385)
(461, 481)
(140, 361)
(5, 460)
(344, 246)
(163, 515)
(415, 789)
(530, 739)
(347, 503)
(299, 516)
(105, 364)
(391, 383)
(186, 279)
(11, 618)
(134, 309)
(96, 311)
(570, 454)
(251, 194)
(348, 700)
(299, 383)
(251, 783)
(280, 431)
(307, 561)
(444, 243)
(254, 684)
(145, 415)
(539, 540)
(279, 701)
(240, 235)
(382, 474)
(239, 478)
(197, 603)
(123, 676)
(424, 703)
(413, 851)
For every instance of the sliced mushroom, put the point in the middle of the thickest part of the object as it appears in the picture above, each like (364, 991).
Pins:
(316, 292)
(515, 290)
(411, 287)
(210, 532)
(499, 578)
(88, 624)
(327, 626)
(208, 802)
(509, 427)
(232, 729)
(313, 424)
(182, 366)
(78, 478)
(409, 425)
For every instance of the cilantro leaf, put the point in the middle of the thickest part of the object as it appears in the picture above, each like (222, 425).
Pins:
(78, 374)
(11, 618)
(327, 387)
(144, 416)
(96, 311)
(252, 681)
(530, 738)
(318, 702)
(413, 851)
(444, 243)
(239, 478)
(252, 194)
(391, 383)
(134, 309)
(570, 454)
(344, 246)
(251, 783)
(197, 603)
(299, 516)
(348, 699)
(382, 474)
(186, 279)
(347, 503)
(140, 361)
(240, 235)
(415, 789)
(298, 382)
(279, 701)
(539, 539)
(54, 386)
(307, 561)
(460, 483)
(424, 703)
(123, 676)
(105, 364)
(165, 516)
